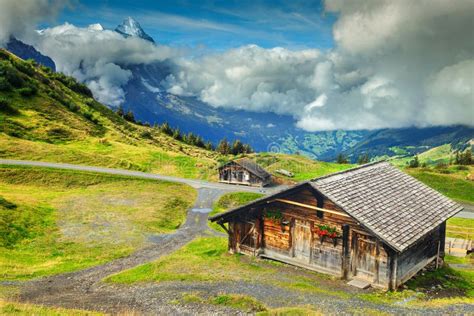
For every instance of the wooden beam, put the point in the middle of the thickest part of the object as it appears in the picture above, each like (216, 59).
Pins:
(310, 207)
(223, 226)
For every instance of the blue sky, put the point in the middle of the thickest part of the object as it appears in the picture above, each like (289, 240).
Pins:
(216, 25)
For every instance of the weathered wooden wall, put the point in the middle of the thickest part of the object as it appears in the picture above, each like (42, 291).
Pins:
(296, 242)
(233, 167)
(417, 256)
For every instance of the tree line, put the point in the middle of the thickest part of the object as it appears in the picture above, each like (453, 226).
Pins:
(361, 160)
(460, 158)
(224, 147)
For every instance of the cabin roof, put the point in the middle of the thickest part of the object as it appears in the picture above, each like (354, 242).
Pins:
(251, 166)
(391, 204)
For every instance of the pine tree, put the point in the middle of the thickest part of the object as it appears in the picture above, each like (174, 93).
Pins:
(177, 134)
(466, 157)
(457, 159)
(247, 149)
(199, 142)
(415, 163)
(237, 147)
(363, 159)
(121, 111)
(223, 147)
(341, 159)
(129, 116)
(209, 146)
(165, 128)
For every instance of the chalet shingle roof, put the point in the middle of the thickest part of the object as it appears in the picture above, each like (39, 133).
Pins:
(393, 205)
(252, 166)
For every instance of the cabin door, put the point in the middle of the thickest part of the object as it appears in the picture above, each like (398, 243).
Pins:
(302, 240)
(364, 260)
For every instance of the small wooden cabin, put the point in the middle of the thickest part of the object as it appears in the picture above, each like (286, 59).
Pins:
(244, 171)
(372, 223)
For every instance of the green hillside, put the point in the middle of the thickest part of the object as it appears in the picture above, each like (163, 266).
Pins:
(50, 117)
(54, 221)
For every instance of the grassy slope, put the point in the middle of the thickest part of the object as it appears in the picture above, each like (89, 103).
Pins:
(453, 184)
(302, 167)
(66, 220)
(60, 125)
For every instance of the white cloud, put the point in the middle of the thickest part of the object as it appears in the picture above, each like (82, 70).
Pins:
(98, 57)
(19, 18)
(319, 102)
(395, 64)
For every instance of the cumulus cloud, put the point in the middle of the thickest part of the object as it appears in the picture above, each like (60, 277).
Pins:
(19, 18)
(396, 64)
(98, 57)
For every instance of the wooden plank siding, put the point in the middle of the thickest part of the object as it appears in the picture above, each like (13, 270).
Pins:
(400, 226)
(234, 173)
(274, 240)
(419, 255)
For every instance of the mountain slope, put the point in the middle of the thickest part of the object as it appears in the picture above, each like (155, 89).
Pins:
(48, 116)
(411, 141)
(25, 51)
(131, 27)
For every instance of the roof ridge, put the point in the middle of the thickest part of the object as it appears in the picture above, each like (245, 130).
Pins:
(349, 170)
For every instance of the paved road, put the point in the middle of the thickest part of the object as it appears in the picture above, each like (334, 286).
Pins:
(192, 182)
(467, 213)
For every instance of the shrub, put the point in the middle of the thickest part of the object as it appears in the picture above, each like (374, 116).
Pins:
(5, 107)
(25, 67)
(415, 163)
(28, 91)
(441, 165)
(5, 85)
(7, 204)
(46, 69)
(4, 55)
(105, 142)
(59, 133)
(146, 134)
(12, 75)
(72, 84)
(73, 107)
(91, 117)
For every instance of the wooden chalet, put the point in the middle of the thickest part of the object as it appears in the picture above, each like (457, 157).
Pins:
(244, 171)
(372, 223)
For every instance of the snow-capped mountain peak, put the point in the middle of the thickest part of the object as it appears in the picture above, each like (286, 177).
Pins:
(131, 27)
(96, 27)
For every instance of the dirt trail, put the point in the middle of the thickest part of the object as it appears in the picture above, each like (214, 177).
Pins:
(84, 288)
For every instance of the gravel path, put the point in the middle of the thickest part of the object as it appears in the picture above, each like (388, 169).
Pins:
(194, 183)
(83, 289)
